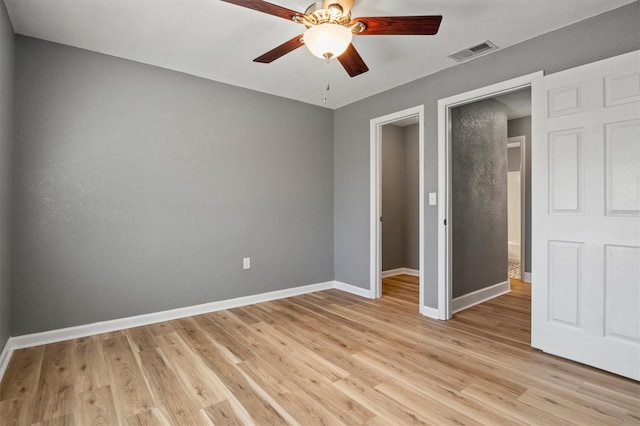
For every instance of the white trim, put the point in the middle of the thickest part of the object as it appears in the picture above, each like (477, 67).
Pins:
(521, 143)
(85, 330)
(430, 312)
(5, 356)
(375, 207)
(358, 291)
(444, 177)
(399, 271)
(527, 277)
(471, 299)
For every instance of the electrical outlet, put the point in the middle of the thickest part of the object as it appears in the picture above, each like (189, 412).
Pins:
(246, 263)
(432, 198)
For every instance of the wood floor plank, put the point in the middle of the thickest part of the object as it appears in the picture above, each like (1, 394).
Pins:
(321, 358)
(65, 420)
(199, 382)
(167, 390)
(55, 396)
(90, 369)
(223, 413)
(293, 399)
(17, 411)
(96, 407)
(261, 411)
(151, 417)
(130, 392)
(22, 374)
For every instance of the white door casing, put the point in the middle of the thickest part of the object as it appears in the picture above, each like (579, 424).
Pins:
(445, 105)
(586, 214)
(375, 208)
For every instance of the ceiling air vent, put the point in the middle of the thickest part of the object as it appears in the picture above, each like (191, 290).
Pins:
(474, 51)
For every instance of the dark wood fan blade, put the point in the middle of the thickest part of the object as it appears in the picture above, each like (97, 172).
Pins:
(352, 62)
(263, 6)
(281, 50)
(400, 25)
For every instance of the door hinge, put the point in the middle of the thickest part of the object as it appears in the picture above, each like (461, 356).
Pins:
(445, 222)
(380, 218)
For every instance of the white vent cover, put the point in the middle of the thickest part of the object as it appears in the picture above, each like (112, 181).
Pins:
(474, 51)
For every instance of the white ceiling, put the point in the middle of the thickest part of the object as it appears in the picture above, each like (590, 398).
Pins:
(217, 40)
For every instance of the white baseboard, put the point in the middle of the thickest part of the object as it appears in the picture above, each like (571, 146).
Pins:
(527, 277)
(85, 330)
(430, 312)
(358, 291)
(59, 335)
(479, 296)
(5, 357)
(398, 271)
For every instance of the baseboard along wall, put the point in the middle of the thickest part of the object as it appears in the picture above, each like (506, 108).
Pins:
(398, 271)
(471, 299)
(59, 335)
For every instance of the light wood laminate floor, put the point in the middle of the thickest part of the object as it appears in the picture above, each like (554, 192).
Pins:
(323, 358)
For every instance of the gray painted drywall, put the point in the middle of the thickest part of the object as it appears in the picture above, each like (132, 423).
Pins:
(6, 141)
(600, 37)
(138, 189)
(400, 197)
(522, 127)
(393, 188)
(479, 196)
(513, 159)
(411, 197)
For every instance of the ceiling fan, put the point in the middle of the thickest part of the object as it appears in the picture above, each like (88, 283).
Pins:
(330, 30)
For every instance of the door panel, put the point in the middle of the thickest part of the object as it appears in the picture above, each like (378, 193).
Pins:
(586, 214)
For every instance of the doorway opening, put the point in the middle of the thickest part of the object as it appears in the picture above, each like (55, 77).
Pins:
(517, 201)
(405, 123)
(497, 93)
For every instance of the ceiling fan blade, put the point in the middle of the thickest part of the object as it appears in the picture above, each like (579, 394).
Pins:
(345, 4)
(352, 62)
(283, 49)
(400, 25)
(263, 6)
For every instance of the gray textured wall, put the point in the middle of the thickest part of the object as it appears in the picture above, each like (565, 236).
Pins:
(411, 197)
(393, 197)
(479, 196)
(522, 127)
(6, 141)
(600, 37)
(138, 189)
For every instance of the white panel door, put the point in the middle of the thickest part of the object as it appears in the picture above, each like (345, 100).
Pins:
(586, 214)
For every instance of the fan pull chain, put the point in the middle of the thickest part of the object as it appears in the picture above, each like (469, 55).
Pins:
(327, 85)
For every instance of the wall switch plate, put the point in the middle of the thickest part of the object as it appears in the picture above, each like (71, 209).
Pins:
(432, 198)
(246, 263)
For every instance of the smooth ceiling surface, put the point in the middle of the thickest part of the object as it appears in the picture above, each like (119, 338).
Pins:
(217, 40)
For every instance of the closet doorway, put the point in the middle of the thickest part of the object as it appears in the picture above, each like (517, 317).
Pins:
(397, 199)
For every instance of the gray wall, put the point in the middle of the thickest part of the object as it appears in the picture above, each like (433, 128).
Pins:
(411, 197)
(522, 127)
(513, 159)
(138, 189)
(600, 37)
(479, 196)
(400, 192)
(393, 195)
(6, 141)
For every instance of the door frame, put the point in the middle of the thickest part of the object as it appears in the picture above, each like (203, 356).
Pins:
(444, 176)
(375, 208)
(521, 141)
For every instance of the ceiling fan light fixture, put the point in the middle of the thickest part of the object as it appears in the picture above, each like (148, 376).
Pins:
(327, 40)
